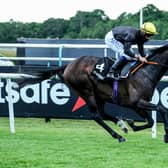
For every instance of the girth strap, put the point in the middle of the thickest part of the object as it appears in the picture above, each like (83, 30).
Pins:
(115, 91)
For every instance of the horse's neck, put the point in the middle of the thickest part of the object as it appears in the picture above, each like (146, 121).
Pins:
(155, 72)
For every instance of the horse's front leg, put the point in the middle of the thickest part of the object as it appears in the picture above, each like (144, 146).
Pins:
(164, 114)
(144, 114)
(142, 104)
(114, 134)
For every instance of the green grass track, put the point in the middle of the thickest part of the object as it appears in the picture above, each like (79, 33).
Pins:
(77, 144)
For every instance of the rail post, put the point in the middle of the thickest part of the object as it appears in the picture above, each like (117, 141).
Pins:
(60, 55)
(10, 106)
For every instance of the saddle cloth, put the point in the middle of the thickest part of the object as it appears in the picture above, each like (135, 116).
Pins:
(103, 65)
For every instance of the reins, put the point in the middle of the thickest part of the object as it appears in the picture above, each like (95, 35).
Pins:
(157, 63)
(150, 63)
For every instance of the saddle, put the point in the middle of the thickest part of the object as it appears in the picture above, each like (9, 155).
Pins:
(103, 65)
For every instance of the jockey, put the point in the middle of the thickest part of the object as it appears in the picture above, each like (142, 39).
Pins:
(120, 39)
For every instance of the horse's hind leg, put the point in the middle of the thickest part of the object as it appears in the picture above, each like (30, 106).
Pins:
(145, 115)
(96, 116)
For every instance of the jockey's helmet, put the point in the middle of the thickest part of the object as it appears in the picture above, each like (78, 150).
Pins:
(149, 28)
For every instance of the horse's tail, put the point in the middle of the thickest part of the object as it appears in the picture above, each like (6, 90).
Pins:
(49, 74)
(39, 76)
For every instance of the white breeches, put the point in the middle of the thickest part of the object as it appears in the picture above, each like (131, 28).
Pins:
(115, 45)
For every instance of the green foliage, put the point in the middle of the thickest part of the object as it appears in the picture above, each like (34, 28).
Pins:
(54, 28)
(77, 144)
(93, 24)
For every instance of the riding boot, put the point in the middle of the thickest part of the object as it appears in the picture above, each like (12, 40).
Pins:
(113, 69)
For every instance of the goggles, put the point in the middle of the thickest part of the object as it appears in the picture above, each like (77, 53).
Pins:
(148, 35)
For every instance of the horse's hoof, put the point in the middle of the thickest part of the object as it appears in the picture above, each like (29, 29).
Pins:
(166, 138)
(123, 126)
(125, 130)
(121, 139)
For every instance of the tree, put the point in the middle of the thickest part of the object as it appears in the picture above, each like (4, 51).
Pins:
(93, 24)
(54, 28)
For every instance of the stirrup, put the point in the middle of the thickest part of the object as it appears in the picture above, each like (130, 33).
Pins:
(116, 76)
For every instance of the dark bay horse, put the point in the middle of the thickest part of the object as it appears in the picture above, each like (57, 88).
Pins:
(135, 92)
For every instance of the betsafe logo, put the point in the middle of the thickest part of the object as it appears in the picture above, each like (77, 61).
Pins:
(59, 94)
(40, 93)
(79, 103)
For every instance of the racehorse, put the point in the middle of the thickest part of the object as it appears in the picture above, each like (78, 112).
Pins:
(134, 92)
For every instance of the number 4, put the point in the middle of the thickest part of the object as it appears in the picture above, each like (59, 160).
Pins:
(100, 67)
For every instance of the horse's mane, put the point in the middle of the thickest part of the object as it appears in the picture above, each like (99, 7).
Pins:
(158, 50)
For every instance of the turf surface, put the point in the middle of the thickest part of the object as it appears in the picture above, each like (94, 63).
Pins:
(77, 144)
